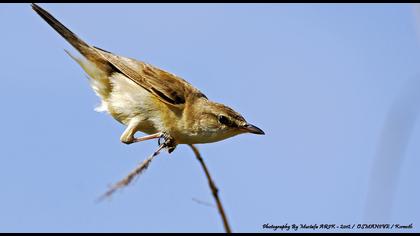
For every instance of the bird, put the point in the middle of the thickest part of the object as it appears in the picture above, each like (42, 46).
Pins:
(151, 100)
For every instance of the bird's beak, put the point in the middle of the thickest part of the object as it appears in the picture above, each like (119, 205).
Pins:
(252, 129)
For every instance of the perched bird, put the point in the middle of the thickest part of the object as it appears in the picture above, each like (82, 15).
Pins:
(151, 100)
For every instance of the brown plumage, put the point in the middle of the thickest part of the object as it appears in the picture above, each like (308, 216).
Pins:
(151, 100)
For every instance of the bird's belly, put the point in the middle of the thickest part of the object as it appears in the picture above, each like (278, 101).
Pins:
(129, 101)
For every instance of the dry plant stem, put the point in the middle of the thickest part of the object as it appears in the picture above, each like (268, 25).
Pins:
(137, 171)
(213, 188)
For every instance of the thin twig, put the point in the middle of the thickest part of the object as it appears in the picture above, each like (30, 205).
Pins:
(143, 166)
(137, 171)
(213, 188)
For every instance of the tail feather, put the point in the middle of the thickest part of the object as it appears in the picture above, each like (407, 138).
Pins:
(93, 64)
(86, 50)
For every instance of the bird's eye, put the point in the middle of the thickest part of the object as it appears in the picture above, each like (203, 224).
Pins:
(224, 120)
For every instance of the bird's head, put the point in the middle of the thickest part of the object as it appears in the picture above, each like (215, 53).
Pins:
(216, 122)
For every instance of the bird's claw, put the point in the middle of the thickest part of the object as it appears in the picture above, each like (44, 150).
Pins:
(168, 142)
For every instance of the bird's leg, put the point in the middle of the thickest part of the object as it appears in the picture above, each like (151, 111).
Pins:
(147, 137)
(128, 136)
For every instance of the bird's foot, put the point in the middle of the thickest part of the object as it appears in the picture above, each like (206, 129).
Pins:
(168, 142)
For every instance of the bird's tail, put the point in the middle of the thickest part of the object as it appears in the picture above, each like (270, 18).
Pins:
(86, 50)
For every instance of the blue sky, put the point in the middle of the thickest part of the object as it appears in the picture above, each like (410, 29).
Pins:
(333, 86)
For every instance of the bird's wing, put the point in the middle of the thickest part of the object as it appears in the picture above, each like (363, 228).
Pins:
(167, 87)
